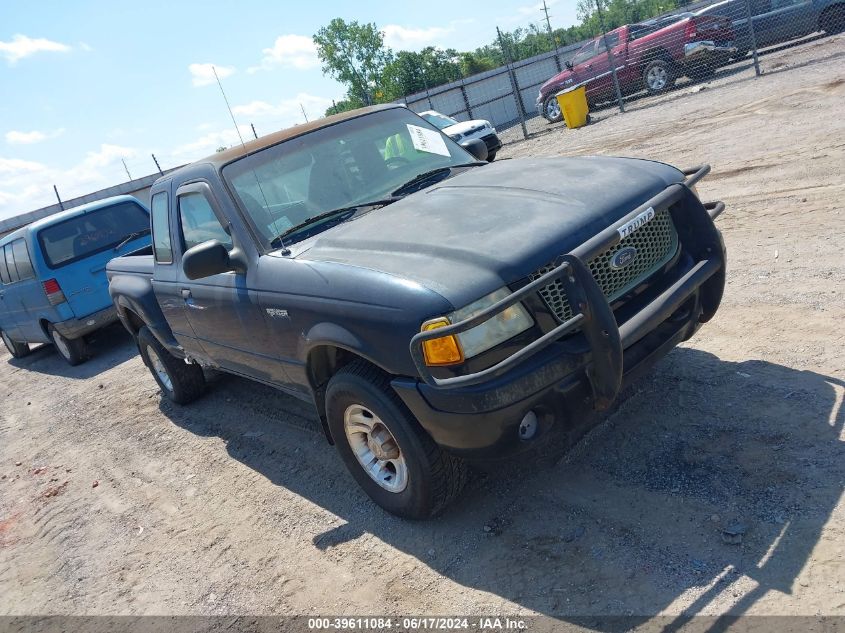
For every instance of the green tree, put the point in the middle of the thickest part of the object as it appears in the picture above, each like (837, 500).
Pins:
(475, 62)
(409, 72)
(354, 54)
(344, 105)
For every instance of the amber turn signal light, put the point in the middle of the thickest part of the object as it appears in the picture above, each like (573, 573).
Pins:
(441, 351)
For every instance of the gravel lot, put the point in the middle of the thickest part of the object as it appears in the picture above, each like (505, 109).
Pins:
(112, 502)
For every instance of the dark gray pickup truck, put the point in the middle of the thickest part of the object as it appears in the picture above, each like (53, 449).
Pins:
(432, 306)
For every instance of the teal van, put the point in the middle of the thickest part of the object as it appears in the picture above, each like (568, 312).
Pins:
(53, 286)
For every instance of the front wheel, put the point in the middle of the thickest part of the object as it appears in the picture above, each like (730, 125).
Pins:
(658, 76)
(491, 156)
(385, 449)
(551, 110)
(181, 382)
(73, 350)
(17, 350)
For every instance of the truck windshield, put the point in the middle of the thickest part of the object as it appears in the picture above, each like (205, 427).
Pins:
(344, 165)
(89, 233)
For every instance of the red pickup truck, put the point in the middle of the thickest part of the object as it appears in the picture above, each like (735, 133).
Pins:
(649, 55)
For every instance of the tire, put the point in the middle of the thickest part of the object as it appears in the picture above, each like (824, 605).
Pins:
(179, 381)
(418, 479)
(832, 20)
(551, 110)
(74, 351)
(17, 350)
(491, 156)
(658, 76)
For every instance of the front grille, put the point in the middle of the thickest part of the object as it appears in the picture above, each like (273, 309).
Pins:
(656, 243)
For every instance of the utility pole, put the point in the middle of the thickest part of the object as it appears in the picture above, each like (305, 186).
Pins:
(254, 133)
(551, 35)
(301, 107)
(126, 168)
(155, 160)
(610, 57)
(61, 204)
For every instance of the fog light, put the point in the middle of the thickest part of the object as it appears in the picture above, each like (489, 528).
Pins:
(528, 427)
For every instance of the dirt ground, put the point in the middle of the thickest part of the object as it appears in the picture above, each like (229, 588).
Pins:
(112, 502)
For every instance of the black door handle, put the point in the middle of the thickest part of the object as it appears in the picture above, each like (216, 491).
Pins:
(186, 293)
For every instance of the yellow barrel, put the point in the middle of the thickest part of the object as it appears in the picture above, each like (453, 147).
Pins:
(573, 105)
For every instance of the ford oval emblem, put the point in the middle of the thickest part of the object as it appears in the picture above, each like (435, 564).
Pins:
(623, 257)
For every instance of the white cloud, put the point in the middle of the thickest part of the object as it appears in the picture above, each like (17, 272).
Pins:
(203, 74)
(22, 46)
(26, 185)
(289, 111)
(14, 137)
(404, 38)
(209, 142)
(17, 166)
(289, 51)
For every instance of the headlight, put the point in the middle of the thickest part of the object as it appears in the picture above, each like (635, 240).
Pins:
(502, 326)
(455, 137)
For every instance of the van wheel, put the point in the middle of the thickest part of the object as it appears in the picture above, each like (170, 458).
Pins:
(385, 449)
(181, 382)
(17, 350)
(74, 351)
(658, 76)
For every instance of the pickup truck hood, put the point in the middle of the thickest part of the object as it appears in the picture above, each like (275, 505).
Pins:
(493, 225)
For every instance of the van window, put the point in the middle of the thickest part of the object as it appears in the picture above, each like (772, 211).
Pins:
(10, 263)
(4, 270)
(199, 224)
(161, 229)
(22, 262)
(93, 232)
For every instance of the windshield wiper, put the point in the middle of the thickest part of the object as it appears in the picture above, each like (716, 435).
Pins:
(430, 175)
(130, 237)
(341, 215)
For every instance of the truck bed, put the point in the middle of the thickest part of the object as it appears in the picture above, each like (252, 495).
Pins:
(139, 263)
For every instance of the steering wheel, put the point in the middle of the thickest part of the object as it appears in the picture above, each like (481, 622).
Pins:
(396, 161)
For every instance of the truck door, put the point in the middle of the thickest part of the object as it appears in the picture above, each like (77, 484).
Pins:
(582, 64)
(223, 310)
(601, 82)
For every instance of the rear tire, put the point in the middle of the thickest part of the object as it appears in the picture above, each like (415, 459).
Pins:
(74, 351)
(408, 474)
(17, 350)
(491, 156)
(180, 382)
(658, 76)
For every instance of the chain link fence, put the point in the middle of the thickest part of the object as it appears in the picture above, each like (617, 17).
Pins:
(637, 65)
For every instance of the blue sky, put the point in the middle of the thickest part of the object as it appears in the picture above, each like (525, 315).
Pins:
(85, 85)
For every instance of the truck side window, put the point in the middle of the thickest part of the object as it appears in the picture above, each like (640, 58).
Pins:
(4, 270)
(10, 263)
(199, 224)
(162, 247)
(587, 52)
(22, 261)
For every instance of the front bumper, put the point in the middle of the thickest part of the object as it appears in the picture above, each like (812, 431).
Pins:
(479, 414)
(708, 47)
(76, 328)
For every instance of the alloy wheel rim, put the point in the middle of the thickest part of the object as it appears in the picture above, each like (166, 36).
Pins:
(158, 368)
(657, 77)
(61, 344)
(375, 448)
(553, 109)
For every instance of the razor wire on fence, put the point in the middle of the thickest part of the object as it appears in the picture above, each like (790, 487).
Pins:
(720, 40)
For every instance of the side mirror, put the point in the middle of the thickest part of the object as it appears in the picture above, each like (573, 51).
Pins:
(568, 64)
(476, 147)
(206, 259)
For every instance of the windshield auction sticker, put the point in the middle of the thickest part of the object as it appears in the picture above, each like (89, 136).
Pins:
(427, 140)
